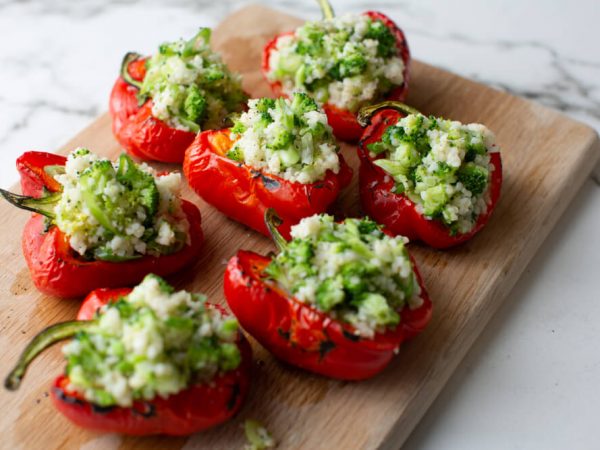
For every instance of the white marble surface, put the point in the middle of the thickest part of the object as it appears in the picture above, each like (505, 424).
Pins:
(531, 381)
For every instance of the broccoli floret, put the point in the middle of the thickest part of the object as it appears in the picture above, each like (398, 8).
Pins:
(213, 75)
(263, 105)
(94, 181)
(473, 177)
(194, 105)
(282, 139)
(434, 200)
(376, 307)
(351, 66)
(302, 103)
(330, 293)
(386, 42)
(238, 127)
(235, 153)
(141, 184)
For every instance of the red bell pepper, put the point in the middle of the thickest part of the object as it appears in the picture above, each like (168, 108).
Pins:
(344, 123)
(57, 270)
(244, 193)
(397, 212)
(305, 337)
(196, 408)
(134, 126)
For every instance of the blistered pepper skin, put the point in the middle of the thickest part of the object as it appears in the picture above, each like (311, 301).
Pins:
(57, 270)
(138, 132)
(243, 193)
(305, 337)
(344, 123)
(194, 409)
(396, 212)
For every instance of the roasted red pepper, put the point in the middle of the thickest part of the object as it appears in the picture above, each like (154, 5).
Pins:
(138, 132)
(397, 212)
(243, 193)
(305, 337)
(196, 408)
(344, 123)
(57, 270)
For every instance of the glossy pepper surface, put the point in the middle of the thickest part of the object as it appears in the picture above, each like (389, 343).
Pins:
(134, 126)
(57, 270)
(194, 409)
(244, 193)
(397, 212)
(344, 123)
(303, 336)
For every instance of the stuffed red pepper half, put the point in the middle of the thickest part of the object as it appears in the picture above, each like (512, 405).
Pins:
(427, 178)
(337, 300)
(146, 361)
(279, 154)
(102, 224)
(343, 62)
(159, 103)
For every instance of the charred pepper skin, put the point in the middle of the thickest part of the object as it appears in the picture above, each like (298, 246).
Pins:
(344, 123)
(301, 335)
(57, 270)
(396, 212)
(194, 409)
(136, 129)
(243, 193)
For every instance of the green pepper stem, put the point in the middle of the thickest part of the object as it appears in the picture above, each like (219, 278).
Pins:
(326, 9)
(272, 221)
(128, 59)
(365, 114)
(43, 205)
(41, 342)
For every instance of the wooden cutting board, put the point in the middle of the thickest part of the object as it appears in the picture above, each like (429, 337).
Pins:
(546, 156)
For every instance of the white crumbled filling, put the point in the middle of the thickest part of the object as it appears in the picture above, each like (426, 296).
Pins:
(449, 142)
(74, 218)
(316, 158)
(153, 350)
(384, 256)
(353, 91)
(168, 97)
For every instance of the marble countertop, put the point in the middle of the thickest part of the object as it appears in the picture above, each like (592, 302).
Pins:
(531, 380)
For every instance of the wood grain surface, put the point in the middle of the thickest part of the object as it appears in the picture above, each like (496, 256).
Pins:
(546, 159)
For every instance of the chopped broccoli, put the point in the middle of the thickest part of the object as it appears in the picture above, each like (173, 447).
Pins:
(330, 293)
(94, 181)
(386, 42)
(302, 103)
(375, 306)
(263, 105)
(473, 177)
(235, 153)
(194, 105)
(141, 184)
(349, 269)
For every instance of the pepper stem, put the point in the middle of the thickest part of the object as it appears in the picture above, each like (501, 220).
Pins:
(43, 205)
(365, 114)
(128, 59)
(272, 221)
(41, 342)
(326, 9)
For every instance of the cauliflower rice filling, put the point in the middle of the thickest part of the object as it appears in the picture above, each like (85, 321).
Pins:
(153, 342)
(190, 86)
(287, 138)
(442, 166)
(350, 270)
(119, 210)
(347, 61)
